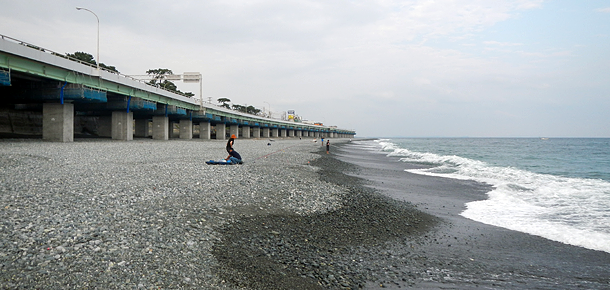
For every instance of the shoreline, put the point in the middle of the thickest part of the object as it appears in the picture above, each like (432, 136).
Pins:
(336, 249)
(465, 254)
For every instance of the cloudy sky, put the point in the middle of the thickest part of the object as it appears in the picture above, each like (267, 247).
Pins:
(416, 68)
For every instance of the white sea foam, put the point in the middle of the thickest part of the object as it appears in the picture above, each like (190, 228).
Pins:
(574, 211)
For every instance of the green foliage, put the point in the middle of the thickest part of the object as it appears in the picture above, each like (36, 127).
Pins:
(158, 80)
(109, 67)
(158, 77)
(245, 109)
(88, 58)
(223, 102)
(82, 56)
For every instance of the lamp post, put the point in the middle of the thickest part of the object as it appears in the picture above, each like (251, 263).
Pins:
(98, 35)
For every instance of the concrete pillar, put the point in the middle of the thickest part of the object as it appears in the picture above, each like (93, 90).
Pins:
(221, 131)
(283, 133)
(275, 132)
(160, 130)
(256, 132)
(58, 122)
(266, 132)
(186, 129)
(245, 132)
(290, 133)
(205, 130)
(122, 125)
(234, 130)
(299, 133)
(141, 129)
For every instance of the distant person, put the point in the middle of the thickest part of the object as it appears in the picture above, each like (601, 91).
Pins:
(327, 146)
(322, 140)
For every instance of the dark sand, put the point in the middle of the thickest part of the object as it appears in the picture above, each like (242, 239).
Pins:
(396, 230)
(464, 254)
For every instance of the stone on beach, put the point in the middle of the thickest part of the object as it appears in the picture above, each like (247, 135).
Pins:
(152, 214)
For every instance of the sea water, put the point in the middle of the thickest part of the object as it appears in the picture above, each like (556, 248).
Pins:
(555, 188)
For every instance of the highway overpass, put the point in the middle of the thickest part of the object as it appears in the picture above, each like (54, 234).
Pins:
(51, 95)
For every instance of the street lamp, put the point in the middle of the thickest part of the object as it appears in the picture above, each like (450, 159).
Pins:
(98, 35)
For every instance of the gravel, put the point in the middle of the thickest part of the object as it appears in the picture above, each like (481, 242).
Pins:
(149, 214)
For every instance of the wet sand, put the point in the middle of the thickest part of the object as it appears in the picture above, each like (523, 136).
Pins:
(463, 254)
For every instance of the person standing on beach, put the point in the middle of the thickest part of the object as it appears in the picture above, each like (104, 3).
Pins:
(327, 146)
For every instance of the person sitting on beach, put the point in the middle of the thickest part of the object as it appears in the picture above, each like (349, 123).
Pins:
(234, 157)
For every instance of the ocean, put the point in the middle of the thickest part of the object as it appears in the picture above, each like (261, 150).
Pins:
(556, 188)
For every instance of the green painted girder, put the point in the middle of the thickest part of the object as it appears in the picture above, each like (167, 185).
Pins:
(32, 67)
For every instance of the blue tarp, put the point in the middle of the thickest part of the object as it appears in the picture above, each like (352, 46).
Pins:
(5, 78)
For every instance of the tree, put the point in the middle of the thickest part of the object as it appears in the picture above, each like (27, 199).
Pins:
(88, 58)
(109, 67)
(223, 102)
(82, 56)
(239, 108)
(158, 78)
(252, 110)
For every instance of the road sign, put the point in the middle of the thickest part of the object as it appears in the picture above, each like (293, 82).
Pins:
(191, 77)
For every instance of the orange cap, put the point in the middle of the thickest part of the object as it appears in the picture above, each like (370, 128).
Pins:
(233, 136)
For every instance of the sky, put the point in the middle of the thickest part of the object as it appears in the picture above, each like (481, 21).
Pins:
(384, 68)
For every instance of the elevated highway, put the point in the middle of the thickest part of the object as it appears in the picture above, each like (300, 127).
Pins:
(70, 97)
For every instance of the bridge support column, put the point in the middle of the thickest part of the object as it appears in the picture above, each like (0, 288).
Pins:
(290, 133)
(186, 129)
(122, 125)
(256, 132)
(245, 132)
(141, 129)
(282, 133)
(275, 133)
(161, 128)
(205, 130)
(58, 122)
(266, 133)
(221, 131)
(299, 133)
(234, 130)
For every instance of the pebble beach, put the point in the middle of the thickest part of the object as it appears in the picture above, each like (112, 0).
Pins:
(146, 214)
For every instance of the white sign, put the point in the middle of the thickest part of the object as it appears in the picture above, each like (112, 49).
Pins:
(173, 77)
(191, 77)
